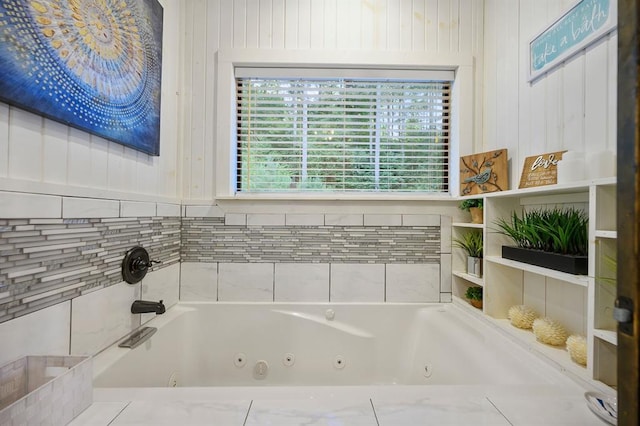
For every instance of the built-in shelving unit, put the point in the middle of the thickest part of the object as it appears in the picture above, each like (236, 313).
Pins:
(582, 303)
(470, 278)
(461, 280)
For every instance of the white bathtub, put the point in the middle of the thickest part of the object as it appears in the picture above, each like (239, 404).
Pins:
(252, 344)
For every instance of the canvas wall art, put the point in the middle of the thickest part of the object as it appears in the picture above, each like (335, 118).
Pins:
(93, 65)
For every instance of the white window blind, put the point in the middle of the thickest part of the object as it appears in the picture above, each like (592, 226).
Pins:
(342, 134)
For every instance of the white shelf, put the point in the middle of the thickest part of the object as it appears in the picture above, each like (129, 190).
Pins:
(468, 225)
(468, 277)
(556, 354)
(566, 188)
(606, 234)
(581, 280)
(606, 335)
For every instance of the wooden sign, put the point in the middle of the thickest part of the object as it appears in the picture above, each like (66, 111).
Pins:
(484, 172)
(540, 170)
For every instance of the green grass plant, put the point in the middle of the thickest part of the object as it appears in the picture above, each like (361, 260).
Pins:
(558, 230)
(471, 242)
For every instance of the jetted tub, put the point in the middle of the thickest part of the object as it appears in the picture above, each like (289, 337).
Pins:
(274, 344)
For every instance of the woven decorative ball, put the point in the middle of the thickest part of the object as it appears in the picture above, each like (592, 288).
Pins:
(549, 331)
(577, 348)
(522, 316)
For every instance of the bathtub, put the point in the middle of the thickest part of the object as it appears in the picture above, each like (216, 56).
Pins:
(275, 344)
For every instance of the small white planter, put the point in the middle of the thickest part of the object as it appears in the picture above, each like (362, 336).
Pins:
(45, 390)
(474, 266)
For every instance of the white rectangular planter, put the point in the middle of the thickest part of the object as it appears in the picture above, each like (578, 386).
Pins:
(474, 266)
(45, 390)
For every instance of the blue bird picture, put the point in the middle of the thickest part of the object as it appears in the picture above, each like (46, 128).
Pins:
(484, 172)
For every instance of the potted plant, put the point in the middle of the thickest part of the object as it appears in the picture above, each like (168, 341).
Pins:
(471, 242)
(474, 295)
(473, 206)
(555, 239)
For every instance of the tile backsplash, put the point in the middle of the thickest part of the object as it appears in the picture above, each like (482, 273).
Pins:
(67, 252)
(315, 258)
(260, 240)
(48, 261)
(77, 249)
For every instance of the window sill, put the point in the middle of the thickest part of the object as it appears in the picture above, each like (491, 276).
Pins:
(337, 197)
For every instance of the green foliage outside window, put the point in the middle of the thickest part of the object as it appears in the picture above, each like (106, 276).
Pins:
(303, 135)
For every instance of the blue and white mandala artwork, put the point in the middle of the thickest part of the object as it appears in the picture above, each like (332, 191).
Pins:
(91, 64)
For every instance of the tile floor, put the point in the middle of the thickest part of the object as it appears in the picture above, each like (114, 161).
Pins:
(344, 405)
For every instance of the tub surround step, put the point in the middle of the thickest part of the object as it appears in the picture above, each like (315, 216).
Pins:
(353, 405)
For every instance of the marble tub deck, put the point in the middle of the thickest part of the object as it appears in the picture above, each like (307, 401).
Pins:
(396, 405)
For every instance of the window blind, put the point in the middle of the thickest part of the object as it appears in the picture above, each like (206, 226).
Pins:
(342, 134)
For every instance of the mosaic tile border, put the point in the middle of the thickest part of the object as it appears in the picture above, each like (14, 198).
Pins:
(66, 247)
(49, 261)
(211, 240)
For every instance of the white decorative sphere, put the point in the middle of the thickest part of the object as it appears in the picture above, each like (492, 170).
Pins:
(577, 348)
(549, 331)
(522, 316)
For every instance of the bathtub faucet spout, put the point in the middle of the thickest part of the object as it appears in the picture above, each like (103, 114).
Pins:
(145, 306)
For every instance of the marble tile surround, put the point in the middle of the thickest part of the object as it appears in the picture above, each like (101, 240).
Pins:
(72, 249)
(296, 282)
(343, 258)
(238, 282)
(366, 406)
(198, 281)
(44, 332)
(357, 283)
(263, 238)
(90, 332)
(96, 313)
(413, 283)
(45, 390)
(313, 282)
(55, 249)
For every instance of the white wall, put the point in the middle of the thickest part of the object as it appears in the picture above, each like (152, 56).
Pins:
(573, 107)
(43, 156)
(40, 156)
(431, 26)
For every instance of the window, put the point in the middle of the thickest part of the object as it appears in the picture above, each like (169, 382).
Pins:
(342, 134)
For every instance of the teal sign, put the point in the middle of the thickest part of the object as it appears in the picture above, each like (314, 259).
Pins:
(584, 23)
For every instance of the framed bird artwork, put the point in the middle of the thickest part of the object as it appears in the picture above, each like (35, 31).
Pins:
(484, 172)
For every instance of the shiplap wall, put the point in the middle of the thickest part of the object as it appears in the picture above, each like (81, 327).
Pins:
(434, 26)
(572, 107)
(43, 156)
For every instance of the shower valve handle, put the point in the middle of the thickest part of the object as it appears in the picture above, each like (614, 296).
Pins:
(141, 264)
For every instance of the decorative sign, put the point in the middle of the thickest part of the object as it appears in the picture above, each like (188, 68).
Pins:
(484, 172)
(540, 170)
(586, 22)
(93, 65)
